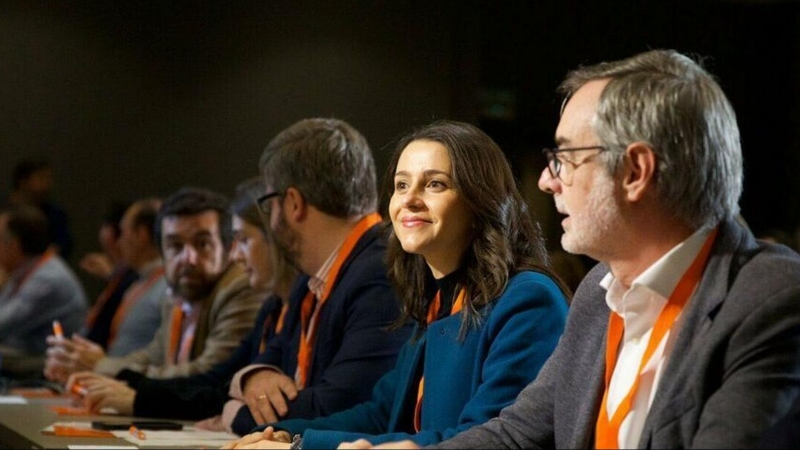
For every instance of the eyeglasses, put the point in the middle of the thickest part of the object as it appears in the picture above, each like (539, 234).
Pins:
(554, 164)
(263, 202)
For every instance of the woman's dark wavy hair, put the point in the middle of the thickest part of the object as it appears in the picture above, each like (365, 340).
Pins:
(506, 240)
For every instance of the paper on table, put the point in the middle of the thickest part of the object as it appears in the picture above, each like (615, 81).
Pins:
(102, 447)
(74, 429)
(35, 392)
(12, 400)
(188, 437)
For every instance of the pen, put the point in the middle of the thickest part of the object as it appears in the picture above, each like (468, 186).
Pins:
(57, 330)
(135, 432)
(77, 389)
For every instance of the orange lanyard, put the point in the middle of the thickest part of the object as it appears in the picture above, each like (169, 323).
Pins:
(268, 323)
(607, 430)
(102, 299)
(433, 313)
(309, 313)
(130, 298)
(49, 253)
(180, 336)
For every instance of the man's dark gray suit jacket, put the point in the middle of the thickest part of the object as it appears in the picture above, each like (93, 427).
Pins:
(734, 370)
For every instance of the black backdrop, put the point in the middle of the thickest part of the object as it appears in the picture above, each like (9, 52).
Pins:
(130, 98)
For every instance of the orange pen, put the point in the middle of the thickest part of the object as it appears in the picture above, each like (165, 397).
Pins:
(57, 330)
(77, 389)
(137, 432)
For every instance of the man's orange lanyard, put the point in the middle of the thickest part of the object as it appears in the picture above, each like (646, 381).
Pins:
(433, 313)
(102, 299)
(49, 253)
(311, 307)
(130, 298)
(607, 431)
(180, 336)
(268, 323)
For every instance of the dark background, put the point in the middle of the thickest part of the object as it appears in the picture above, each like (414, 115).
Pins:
(130, 99)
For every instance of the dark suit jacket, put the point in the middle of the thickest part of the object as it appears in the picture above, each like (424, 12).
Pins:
(353, 349)
(101, 329)
(785, 433)
(732, 374)
(202, 395)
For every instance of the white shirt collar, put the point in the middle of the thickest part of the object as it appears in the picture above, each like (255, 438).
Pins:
(641, 304)
(316, 283)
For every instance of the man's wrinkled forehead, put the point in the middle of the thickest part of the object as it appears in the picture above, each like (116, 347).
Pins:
(192, 225)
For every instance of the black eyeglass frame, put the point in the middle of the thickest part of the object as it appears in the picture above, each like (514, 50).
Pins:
(263, 201)
(554, 164)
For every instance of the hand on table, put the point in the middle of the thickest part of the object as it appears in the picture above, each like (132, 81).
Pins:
(97, 264)
(363, 443)
(103, 392)
(211, 424)
(267, 393)
(269, 438)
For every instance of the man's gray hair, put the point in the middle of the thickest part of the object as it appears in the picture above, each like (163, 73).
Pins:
(670, 102)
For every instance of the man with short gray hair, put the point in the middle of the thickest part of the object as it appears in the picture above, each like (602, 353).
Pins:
(685, 335)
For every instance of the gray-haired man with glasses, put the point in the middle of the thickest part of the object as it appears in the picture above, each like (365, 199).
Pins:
(685, 335)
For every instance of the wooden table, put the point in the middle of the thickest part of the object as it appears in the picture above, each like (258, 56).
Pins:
(21, 425)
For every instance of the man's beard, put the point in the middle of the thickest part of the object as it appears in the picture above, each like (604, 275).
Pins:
(195, 290)
(287, 241)
(592, 226)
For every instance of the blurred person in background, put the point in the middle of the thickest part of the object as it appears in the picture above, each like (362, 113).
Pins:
(33, 182)
(108, 265)
(135, 321)
(40, 289)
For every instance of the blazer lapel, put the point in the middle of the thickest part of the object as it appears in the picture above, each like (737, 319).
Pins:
(583, 393)
(670, 402)
(407, 382)
(589, 408)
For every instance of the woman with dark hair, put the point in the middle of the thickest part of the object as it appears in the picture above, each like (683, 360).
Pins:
(470, 269)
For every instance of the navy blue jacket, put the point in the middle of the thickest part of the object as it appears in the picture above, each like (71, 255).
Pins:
(353, 349)
(101, 329)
